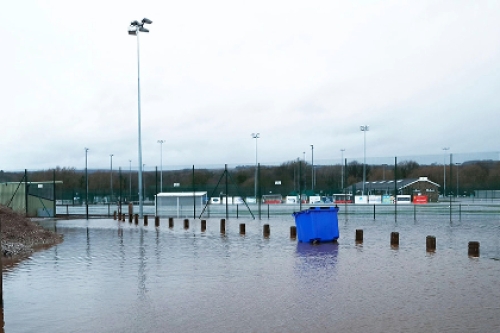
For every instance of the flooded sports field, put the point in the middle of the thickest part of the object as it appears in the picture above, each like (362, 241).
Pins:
(111, 276)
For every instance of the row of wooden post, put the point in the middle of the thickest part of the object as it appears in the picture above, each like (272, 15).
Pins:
(430, 243)
(266, 230)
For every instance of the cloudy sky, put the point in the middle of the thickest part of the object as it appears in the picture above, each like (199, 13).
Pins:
(422, 74)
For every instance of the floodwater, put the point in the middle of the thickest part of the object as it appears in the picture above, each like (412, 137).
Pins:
(110, 276)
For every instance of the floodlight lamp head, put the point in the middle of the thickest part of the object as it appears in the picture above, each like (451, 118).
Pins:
(147, 21)
(142, 29)
(132, 30)
(134, 23)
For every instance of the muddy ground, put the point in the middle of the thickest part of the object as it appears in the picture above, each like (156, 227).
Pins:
(21, 237)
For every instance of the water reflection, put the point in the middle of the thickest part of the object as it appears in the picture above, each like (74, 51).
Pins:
(208, 282)
(316, 257)
(142, 267)
(3, 322)
(329, 249)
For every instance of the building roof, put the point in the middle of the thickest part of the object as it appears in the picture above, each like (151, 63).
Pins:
(182, 194)
(382, 185)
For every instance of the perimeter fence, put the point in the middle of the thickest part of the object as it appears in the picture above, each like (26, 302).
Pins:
(461, 184)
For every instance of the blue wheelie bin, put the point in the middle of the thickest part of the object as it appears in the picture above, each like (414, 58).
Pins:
(317, 224)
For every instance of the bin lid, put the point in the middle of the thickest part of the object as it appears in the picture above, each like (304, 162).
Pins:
(325, 209)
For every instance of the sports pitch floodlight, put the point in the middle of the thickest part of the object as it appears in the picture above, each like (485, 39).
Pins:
(134, 29)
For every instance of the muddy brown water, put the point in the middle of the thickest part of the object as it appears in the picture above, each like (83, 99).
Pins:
(110, 276)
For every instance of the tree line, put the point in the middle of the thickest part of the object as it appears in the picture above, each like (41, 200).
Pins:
(286, 178)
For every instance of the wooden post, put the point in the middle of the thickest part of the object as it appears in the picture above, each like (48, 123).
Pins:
(203, 225)
(242, 228)
(170, 222)
(130, 208)
(474, 249)
(222, 226)
(395, 238)
(157, 221)
(145, 220)
(186, 224)
(114, 215)
(293, 232)
(359, 236)
(430, 244)
(136, 218)
(267, 230)
(130, 218)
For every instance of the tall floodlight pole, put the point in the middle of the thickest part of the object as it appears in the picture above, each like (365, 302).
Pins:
(457, 164)
(111, 177)
(134, 29)
(256, 136)
(161, 142)
(312, 168)
(444, 171)
(364, 129)
(86, 185)
(342, 168)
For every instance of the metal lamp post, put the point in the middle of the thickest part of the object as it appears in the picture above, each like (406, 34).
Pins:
(86, 185)
(134, 29)
(342, 168)
(130, 180)
(144, 183)
(305, 178)
(111, 178)
(458, 165)
(364, 129)
(256, 136)
(312, 168)
(161, 142)
(444, 171)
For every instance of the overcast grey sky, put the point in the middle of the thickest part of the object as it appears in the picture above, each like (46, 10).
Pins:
(422, 74)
